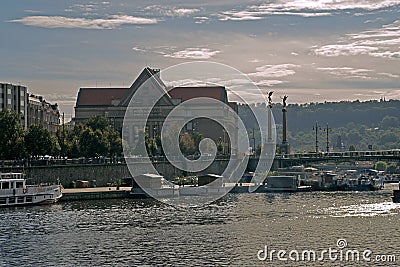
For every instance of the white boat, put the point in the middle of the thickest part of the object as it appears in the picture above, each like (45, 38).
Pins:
(15, 192)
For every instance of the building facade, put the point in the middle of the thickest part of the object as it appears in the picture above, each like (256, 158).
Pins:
(41, 112)
(14, 97)
(112, 103)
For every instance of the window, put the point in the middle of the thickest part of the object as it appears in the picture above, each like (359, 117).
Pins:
(6, 185)
(9, 91)
(9, 101)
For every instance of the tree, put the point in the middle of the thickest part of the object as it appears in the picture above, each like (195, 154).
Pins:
(93, 143)
(55, 146)
(98, 123)
(352, 148)
(258, 150)
(186, 144)
(389, 122)
(62, 141)
(392, 168)
(11, 136)
(115, 143)
(38, 141)
(151, 146)
(381, 166)
(197, 137)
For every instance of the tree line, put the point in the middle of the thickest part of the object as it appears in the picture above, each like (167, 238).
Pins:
(351, 125)
(92, 138)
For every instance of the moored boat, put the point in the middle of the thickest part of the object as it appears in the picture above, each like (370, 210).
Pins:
(15, 192)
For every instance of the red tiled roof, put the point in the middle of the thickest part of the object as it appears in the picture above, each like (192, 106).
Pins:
(186, 93)
(99, 96)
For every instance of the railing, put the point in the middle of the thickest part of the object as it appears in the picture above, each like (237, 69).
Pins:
(394, 153)
(28, 190)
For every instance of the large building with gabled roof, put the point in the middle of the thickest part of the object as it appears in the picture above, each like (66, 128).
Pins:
(112, 103)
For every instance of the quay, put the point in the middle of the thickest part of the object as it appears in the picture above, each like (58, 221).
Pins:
(97, 193)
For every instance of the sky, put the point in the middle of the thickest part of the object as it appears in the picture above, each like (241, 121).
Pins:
(311, 50)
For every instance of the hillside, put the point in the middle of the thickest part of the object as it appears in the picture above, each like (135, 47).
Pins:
(357, 124)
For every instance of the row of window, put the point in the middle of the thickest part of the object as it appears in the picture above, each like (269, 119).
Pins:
(27, 199)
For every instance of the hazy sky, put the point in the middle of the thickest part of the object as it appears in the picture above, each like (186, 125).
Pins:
(312, 50)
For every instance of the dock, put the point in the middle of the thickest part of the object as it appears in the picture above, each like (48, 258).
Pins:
(71, 194)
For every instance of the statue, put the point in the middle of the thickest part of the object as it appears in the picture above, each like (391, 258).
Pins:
(270, 97)
(284, 101)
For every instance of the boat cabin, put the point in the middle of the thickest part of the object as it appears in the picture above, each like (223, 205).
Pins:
(12, 180)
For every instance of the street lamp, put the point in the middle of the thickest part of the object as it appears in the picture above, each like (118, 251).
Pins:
(327, 129)
(316, 128)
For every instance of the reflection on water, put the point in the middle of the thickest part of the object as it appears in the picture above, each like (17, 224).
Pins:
(375, 209)
(228, 232)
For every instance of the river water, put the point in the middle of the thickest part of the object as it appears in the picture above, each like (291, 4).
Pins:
(230, 232)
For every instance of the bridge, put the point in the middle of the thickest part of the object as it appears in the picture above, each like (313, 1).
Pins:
(288, 160)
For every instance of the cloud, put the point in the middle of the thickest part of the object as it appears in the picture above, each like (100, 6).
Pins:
(266, 76)
(382, 42)
(386, 54)
(348, 72)
(194, 53)
(274, 71)
(351, 73)
(32, 11)
(344, 50)
(323, 5)
(303, 8)
(201, 20)
(110, 22)
(87, 8)
(269, 83)
(260, 14)
(171, 11)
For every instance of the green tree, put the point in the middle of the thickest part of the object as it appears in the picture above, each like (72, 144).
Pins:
(392, 168)
(186, 144)
(115, 142)
(62, 141)
(11, 136)
(197, 137)
(390, 122)
(38, 141)
(55, 146)
(151, 146)
(93, 143)
(352, 148)
(98, 123)
(381, 166)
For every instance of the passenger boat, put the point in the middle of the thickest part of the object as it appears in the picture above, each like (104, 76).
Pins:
(15, 192)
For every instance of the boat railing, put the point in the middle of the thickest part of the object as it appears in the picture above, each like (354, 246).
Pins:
(40, 189)
(30, 189)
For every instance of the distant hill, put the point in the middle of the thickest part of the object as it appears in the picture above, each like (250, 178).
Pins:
(357, 124)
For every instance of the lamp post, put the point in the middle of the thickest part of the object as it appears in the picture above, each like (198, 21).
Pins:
(327, 129)
(316, 128)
